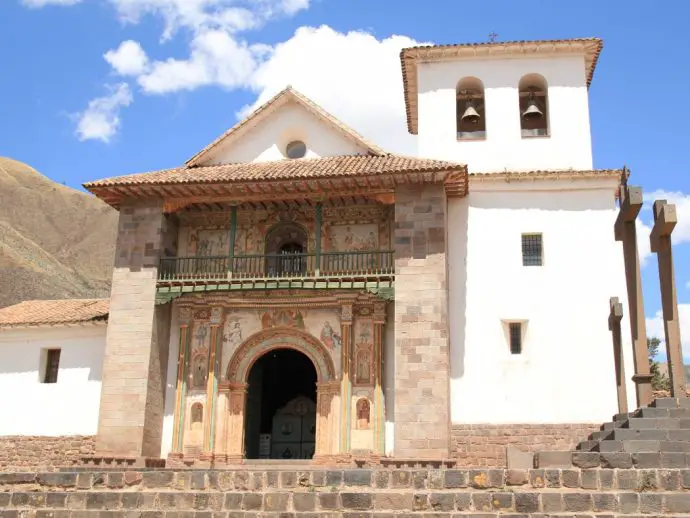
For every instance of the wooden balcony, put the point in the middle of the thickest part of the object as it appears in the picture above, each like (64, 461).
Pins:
(361, 269)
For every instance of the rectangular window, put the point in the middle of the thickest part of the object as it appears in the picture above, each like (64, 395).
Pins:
(532, 250)
(515, 338)
(52, 366)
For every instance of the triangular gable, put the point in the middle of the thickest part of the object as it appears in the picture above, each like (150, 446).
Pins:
(284, 97)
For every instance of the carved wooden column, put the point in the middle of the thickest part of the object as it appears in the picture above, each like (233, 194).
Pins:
(346, 382)
(625, 231)
(665, 220)
(615, 316)
(235, 423)
(326, 420)
(185, 318)
(379, 411)
(214, 355)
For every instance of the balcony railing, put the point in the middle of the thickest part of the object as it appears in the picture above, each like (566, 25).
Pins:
(278, 266)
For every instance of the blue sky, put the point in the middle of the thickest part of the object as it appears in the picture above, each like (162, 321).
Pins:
(78, 105)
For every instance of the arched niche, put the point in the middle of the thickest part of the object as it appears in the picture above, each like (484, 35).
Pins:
(534, 106)
(286, 249)
(470, 109)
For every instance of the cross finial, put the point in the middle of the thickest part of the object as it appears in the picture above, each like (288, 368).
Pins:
(492, 36)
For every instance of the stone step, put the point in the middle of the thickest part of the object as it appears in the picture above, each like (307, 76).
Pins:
(636, 446)
(600, 435)
(650, 423)
(652, 412)
(173, 504)
(587, 445)
(669, 402)
(585, 460)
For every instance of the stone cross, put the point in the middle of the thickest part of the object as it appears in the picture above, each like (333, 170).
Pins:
(625, 231)
(615, 316)
(665, 220)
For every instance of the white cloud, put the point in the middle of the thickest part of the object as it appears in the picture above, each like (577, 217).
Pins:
(43, 3)
(354, 76)
(655, 328)
(216, 59)
(101, 119)
(129, 59)
(202, 15)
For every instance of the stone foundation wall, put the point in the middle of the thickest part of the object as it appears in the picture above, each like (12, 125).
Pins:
(484, 445)
(358, 493)
(21, 453)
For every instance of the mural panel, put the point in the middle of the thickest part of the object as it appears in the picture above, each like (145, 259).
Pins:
(364, 352)
(343, 238)
(208, 242)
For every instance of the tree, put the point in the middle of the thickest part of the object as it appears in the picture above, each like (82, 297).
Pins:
(659, 380)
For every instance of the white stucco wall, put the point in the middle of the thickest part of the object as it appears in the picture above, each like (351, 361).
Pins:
(68, 407)
(171, 384)
(569, 143)
(389, 377)
(566, 371)
(268, 139)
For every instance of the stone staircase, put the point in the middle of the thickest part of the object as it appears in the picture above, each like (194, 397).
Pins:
(352, 493)
(657, 436)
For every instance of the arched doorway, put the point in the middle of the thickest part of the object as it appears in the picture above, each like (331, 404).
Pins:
(286, 249)
(237, 383)
(280, 420)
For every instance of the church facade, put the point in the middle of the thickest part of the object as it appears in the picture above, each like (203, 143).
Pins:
(295, 292)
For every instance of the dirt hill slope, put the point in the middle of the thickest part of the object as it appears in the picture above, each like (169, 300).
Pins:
(55, 242)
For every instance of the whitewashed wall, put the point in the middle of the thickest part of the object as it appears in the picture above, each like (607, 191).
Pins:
(569, 145)
(389, 376)
(68, 407)
(290, 122)
(566, 371)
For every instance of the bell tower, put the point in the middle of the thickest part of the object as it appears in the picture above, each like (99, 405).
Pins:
(497, 106)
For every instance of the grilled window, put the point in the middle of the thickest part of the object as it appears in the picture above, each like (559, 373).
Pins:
(52, 366)
(532, 250)
(515, 338)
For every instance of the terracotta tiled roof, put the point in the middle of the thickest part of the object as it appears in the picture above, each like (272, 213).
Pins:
(409, 57)
(54, 312)
(285, 96)
(301, 169)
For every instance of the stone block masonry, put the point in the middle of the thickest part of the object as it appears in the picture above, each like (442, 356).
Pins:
(27, 452)
(136, 353)
(348, 493)
(484, 445)
(422, 358)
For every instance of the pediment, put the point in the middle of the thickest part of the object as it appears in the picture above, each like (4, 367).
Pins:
(289, 117)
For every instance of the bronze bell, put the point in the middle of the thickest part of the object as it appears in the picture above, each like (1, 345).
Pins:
(471, 115)
(532, 112)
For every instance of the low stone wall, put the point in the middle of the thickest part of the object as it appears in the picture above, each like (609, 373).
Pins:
(357, 493)
(484, 445)
(21, 453)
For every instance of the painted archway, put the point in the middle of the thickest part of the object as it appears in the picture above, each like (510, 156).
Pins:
(327, 387)
(262, 342)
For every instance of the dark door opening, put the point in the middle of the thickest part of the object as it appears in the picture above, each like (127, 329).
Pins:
(281, 403)
(291, 259)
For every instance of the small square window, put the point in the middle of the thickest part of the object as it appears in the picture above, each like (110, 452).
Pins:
(52, 366)
(532, 250)
(515, 337)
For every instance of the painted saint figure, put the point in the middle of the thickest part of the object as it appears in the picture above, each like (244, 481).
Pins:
(329, 337)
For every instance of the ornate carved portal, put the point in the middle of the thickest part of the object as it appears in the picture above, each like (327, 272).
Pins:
(327, 389)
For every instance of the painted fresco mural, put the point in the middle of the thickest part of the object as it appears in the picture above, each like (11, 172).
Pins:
(355, 227)
(240, 324)
(364, 352)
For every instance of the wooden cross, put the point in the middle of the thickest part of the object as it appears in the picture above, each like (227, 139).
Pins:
(665, 220)
(625, 231)
(615, 317)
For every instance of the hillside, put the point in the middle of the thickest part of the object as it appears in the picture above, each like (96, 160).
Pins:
(55, 242)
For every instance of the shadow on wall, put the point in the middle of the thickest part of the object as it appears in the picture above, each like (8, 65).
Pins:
(458, 216)
(600, 199)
